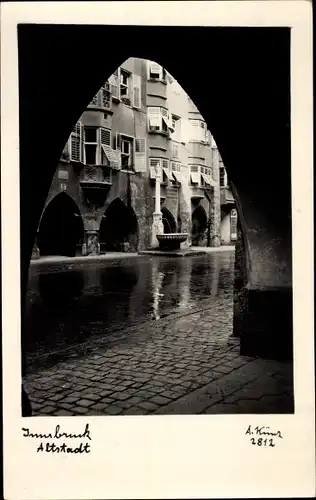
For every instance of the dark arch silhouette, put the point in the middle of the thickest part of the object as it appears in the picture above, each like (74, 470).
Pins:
(169, 223)
(199, 225)
(119, 228)
(61, 229)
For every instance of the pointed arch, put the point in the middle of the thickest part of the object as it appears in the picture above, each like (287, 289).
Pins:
(169, 223)
(119, 228)
(199, 226)
(61, 229)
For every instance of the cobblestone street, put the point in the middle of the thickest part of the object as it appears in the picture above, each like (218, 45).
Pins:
(187, 364)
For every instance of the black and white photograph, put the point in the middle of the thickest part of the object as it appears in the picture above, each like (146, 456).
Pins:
(158, 229)
(159, 226)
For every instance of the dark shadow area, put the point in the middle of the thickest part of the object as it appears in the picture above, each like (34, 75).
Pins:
(169, 224)
(61, 228)
(199, 226)
(119, 228)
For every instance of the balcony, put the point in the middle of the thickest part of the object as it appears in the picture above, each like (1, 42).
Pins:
(197, 192)
(96, 182)
(102, 101)
(227, 197)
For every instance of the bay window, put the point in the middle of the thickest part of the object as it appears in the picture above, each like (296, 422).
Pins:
(158, 120)
(197, 130)
(156, 72)
(201, 176)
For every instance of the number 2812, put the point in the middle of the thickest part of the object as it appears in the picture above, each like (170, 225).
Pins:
(262, 442)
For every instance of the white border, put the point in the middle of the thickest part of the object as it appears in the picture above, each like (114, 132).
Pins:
(165, 457)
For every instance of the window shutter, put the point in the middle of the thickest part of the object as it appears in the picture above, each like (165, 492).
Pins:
(140, 155)
(75, 143)
(155, 70)
(114, 84)
(118, 142)
(105, 136)
(82, 140)
(136, 91)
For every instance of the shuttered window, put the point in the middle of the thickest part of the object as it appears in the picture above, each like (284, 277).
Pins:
(158, 119)
(233, 224)
(136, 91)
(114, 84)
(76, 143)
(155, 71)
(105, 136)
(197, 131)
(140, 155)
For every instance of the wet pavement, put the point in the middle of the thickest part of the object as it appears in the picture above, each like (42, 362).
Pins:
(140, 335)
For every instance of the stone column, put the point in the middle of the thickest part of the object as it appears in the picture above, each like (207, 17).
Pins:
(215, 204)
(92, 243)
(157, 225)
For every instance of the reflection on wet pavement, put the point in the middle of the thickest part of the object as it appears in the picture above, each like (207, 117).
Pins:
(68, 300)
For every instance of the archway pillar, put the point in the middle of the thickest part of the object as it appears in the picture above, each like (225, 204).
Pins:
(262, 285)
(91, 245)
(157, 225)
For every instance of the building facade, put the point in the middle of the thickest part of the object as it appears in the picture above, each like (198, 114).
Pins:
(140, 161)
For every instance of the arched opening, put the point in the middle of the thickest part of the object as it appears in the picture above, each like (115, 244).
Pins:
(119, 228)
(169, 223)
(199, 226)
(61, 229)
(228, 225)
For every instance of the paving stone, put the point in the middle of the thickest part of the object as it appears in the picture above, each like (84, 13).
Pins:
(160, 400)
(113, 410)
(85, 402)
(65, 413)
(148, 405)
(48, 409)
(134, 410)
(99, 406)
(120, 395)
(80, 409)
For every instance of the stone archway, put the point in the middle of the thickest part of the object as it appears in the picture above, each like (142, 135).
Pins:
(119, 228)
(237, 107)
(169, 223)
(61, 229)
(199, 226)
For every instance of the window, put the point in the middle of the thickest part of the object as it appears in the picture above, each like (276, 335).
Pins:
(114, 84)
(136, 91)
(140, 155)
(76, 143)
(160, 166)
(103, 98)
(175, 166)
(233, 224)
(156, 72)
(197, 131)
(91, 146)
(124, 83)
(97, 147)
(176, 128)
(222, 177)
(158, 120)
(201, 176)
(125, 144)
